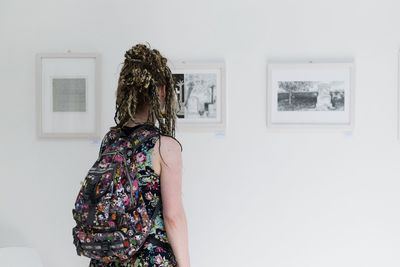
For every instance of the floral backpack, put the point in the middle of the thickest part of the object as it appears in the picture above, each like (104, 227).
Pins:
(112, 221)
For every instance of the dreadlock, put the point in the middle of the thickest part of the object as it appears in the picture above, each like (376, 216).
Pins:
(145, 69)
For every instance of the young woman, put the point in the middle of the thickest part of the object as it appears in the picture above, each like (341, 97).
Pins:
(146, 97)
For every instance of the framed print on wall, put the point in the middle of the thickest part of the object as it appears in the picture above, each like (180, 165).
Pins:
(68, 94)
(200, 88)
(311, 95)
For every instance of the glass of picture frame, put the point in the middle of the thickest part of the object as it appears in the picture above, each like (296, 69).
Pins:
(68, 95)
(310, 95)
(200, 89)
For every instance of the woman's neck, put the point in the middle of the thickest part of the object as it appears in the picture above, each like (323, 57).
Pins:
(140, 118)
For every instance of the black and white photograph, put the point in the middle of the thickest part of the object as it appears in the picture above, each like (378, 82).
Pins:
(310, 94)
(200, 90)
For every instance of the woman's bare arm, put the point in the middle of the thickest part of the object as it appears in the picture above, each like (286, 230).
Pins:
(171, 192)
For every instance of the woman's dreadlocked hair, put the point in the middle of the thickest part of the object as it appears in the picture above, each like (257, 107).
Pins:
(143, 71)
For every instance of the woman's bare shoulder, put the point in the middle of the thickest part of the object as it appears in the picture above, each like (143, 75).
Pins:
(169, 144)
(169, 148)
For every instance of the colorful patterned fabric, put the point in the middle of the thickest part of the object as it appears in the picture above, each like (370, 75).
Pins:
(153, 253)
(156, 250)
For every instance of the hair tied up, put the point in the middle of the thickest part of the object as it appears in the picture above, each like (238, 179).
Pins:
(143, 71)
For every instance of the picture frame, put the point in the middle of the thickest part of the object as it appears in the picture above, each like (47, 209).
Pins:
(310, 95)
(68, 95)
(201, 93)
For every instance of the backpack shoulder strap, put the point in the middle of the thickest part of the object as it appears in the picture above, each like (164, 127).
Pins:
(143, 133)
(138, 136)
(108, 138)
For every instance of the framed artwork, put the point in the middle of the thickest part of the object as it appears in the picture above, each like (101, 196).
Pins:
(200, 89)
(68, 94)
(310, 95)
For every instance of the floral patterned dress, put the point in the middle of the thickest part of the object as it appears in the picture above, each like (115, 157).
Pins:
(156, 251)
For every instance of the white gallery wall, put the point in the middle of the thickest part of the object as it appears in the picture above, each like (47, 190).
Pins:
(253, 197)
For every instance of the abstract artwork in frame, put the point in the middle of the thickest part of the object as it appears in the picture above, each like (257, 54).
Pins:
(311, 95)
(200, 89)
(67, 95)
